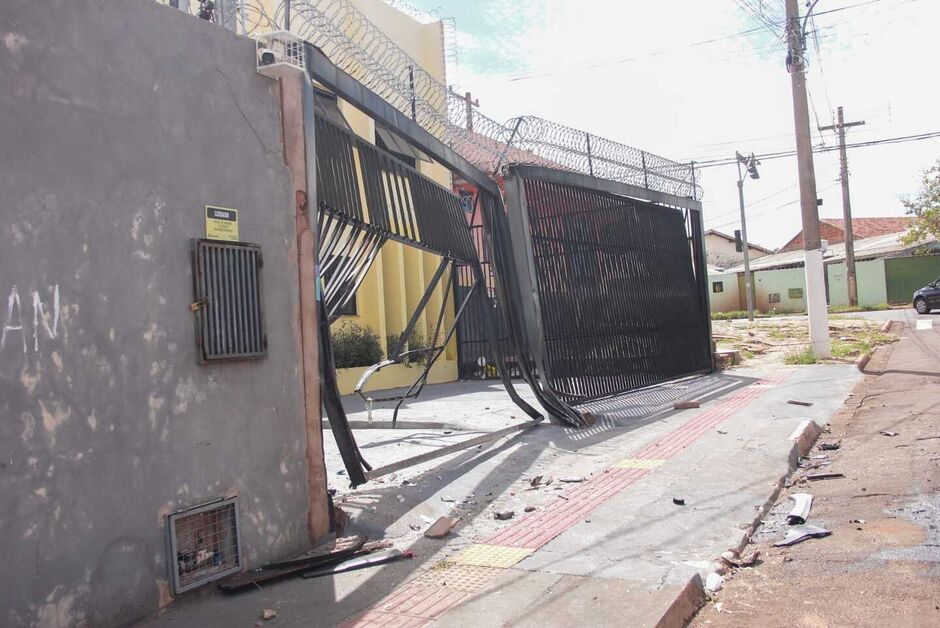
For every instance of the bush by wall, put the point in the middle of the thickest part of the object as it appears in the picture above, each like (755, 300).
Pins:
(414, 341)
(356, 345)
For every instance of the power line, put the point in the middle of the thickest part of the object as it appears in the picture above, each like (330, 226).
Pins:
(765, 211)
(691, 45)
(760, 201)
(825, 149)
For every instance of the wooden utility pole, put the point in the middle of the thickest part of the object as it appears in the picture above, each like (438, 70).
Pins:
(846, 205)
(471, 103)
(816, 306)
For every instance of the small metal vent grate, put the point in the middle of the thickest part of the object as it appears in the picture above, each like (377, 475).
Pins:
(204, 544)
(228, 307)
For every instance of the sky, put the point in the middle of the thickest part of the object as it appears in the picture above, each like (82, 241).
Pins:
(639, 73)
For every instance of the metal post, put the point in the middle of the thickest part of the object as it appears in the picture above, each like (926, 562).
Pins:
(850, 275)
(590, 161)
(411, 86)
(287, 15)
(748, 288)
(242, 16)
(816, 306)
(646, 181)
(468, 99)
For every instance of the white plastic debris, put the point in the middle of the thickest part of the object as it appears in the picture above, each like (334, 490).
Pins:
(714, 582)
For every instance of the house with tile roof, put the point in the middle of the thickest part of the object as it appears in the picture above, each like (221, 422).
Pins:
(833, 230)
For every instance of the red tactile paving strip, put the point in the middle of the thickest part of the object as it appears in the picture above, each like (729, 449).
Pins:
(538, 529)
(411, 605)
(417, 604)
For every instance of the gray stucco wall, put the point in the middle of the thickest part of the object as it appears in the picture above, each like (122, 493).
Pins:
(119, 121)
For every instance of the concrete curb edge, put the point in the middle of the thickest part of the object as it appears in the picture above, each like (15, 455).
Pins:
(685, 606)
(803, 437)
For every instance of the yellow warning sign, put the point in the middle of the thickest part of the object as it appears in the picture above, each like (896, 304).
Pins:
(221, 223)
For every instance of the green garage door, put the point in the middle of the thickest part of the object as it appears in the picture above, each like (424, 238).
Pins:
(904, 275)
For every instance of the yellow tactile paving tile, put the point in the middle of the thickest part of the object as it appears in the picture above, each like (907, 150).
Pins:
(639, 463)
(467, 578)
(492, 555)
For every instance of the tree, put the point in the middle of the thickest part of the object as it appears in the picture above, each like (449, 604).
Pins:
(925, 208)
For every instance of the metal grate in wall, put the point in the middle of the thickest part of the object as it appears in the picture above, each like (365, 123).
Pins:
(204, 544)
(228, 308)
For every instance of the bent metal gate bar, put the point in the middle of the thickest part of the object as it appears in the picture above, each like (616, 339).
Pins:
(365, 197)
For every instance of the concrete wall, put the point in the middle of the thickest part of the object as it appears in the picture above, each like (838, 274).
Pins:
(780, 282)
(119, 121)
(728, 299)
(870, 279)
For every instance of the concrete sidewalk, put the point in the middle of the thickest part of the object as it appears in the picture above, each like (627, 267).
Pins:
(608, 544)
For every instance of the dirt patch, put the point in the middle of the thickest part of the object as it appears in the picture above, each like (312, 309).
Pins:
(769, 341)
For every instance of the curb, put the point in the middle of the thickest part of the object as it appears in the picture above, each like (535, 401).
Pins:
(686, 605)
(803, 437)
(862, 361)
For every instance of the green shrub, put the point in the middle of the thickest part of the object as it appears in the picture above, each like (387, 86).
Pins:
(842, 309)
(356, 345)
(415, 341)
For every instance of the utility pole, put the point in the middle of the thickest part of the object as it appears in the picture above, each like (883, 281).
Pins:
(816, 306)
(846, 205)
(751, 163)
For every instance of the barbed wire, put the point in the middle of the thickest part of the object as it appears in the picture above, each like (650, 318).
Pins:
(362, 50)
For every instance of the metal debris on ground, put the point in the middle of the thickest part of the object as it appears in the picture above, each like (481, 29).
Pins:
(504, 515)
(571, 480)
(536, 481)
(830, 446)
(797, 534)
(325, 555)
(802, 502)
(379, 558)
(825, 476)
(678, 501)
(445, 498)
(794, 402)
(441, 528)
(887, 433)
(687, 405)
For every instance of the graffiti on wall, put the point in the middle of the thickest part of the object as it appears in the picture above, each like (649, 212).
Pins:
(17, 333)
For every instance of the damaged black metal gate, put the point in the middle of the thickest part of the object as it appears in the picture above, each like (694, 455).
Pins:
(612, 289)
(366, 197)
(598, 287)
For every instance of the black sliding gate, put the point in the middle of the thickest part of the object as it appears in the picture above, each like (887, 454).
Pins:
(612, 289)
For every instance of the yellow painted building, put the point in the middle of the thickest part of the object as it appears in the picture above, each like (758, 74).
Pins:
(398, 279)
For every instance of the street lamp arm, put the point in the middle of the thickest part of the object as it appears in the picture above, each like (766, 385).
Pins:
(809, 13)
